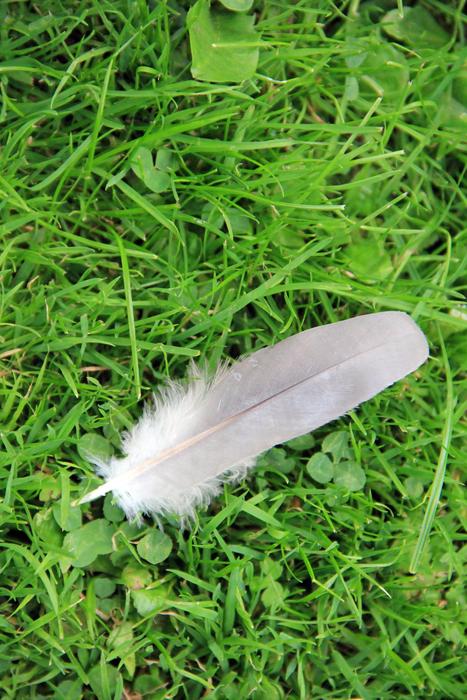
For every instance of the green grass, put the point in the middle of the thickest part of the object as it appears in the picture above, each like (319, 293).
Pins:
(328, 185)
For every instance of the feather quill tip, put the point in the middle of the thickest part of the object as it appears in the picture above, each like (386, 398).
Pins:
(96, 493)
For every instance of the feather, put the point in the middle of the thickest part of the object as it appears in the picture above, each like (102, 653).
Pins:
(196, 437)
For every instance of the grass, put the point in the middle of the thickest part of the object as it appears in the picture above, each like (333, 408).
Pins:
(146, 219)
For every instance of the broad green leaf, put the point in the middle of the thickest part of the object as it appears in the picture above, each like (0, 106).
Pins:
(93, 445)
(104, 587)
(46, 527)
(363, 199)
(120, 641)
(108, 605)
(268, 690)
(368, 259)
(337, 443)
(414, 487)
(239, 223)
(135, 577)
(129, 530)
(320, 468)
(103, 679)
(417, 28)
(277, 459)
(158, 181)
(68, 689)
(382, 71)
(271, 568)
(73, 517)
(145, 683)
(50, 488)
(453, 114)
(356, 60)
(237, 5)
(155, 546)
(112, 511)
(212, 215)
(350, 476)
(86, 543)
(141, 163)
(165, 159)
(304, 442)
(273, 594)
(288, 237)
(351, 88)
(122, 634)
(143, 167)
(149, 601)
(224, 46)
(130, 663)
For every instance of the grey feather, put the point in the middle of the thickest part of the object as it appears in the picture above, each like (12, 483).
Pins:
(197, 437)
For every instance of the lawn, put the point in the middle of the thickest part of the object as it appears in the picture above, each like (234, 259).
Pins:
(179, 187)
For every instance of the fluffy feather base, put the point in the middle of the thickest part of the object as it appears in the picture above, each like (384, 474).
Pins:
(174, 408)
